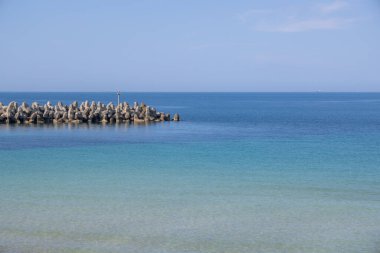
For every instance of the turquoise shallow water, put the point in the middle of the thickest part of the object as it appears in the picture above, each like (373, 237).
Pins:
(253, 172)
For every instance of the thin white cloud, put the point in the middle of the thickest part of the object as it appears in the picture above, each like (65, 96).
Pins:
(333, 7)
(305, 25)
(247, 15)
(301, 18)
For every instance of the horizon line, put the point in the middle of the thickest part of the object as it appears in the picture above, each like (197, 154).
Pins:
(115, 91)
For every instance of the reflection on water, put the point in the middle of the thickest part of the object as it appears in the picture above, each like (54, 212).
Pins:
(71, 125)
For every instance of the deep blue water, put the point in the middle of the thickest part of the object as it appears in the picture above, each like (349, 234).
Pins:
(243, 172)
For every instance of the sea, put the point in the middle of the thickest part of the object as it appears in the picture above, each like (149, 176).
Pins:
(240, 173)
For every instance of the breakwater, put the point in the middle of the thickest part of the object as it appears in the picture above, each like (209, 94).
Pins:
(85, 112)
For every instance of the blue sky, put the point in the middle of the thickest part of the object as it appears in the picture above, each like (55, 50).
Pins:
(190, 45)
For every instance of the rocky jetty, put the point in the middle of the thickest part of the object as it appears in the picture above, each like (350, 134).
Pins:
(85, 112)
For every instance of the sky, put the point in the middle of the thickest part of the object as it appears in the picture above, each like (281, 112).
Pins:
(190, 45)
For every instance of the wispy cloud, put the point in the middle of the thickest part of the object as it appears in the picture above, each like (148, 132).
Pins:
(301, 19)
(306, 25)
(247, 15)
(333, 7)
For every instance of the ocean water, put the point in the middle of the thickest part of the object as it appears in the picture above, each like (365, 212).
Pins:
(242, 173)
